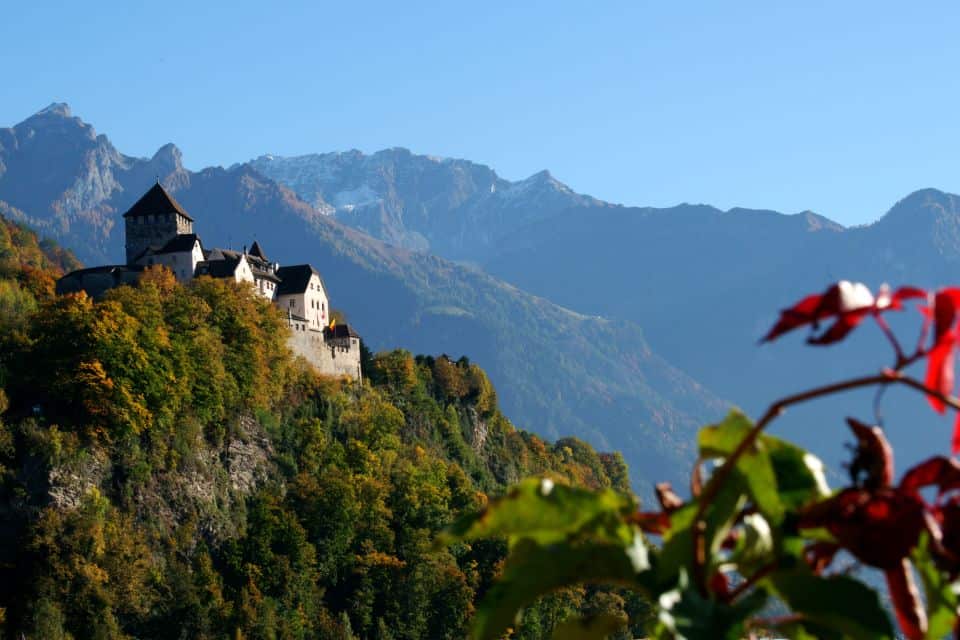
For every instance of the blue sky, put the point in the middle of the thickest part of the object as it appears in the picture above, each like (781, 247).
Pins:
(838, 107)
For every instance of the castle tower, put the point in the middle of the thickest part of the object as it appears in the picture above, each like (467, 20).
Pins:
(154, 220)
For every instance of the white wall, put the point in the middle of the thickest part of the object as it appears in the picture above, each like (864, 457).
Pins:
(312, 304)
(183, 263)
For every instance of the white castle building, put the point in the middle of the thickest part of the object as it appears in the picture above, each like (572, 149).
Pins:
(160, 232)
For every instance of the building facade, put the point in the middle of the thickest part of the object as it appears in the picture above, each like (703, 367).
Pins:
(160, 232)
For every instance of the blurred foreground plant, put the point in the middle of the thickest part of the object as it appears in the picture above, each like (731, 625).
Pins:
(762, 529)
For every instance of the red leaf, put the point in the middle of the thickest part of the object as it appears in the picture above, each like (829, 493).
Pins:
(879, 527)
(955, 441)
(845, 323)
(719, 585)
(944, 312)
(906, 601)
(669, 500)
(873, 457)
(906, 293)
(796, 316)
(848, 301)
(940, 370)
(654, 523)
(940, 471)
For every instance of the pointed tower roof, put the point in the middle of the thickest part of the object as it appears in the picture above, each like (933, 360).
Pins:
(257, 251)
(155, 201)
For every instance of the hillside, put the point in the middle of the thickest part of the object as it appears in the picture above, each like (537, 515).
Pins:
(559, 372)
(168, 471)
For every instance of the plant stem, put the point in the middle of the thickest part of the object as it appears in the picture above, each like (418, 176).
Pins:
(888, 332)
(885, 377)
(761, 573)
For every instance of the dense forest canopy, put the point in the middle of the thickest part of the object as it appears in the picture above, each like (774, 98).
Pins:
(168, 470)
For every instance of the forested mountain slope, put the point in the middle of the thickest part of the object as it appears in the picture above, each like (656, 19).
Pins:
(168, 471)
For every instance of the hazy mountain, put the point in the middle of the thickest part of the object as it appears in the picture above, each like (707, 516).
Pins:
(556, 371)
(453, 208)
(704, 283)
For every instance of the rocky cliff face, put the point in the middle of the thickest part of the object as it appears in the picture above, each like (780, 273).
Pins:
(210, 487)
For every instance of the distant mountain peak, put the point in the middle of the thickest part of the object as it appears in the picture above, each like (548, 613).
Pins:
(928, 203)
(168, 157)
(61, 109)
(927, 195)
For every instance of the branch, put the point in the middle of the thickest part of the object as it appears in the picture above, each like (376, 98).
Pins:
(761, 573)
(885, 377)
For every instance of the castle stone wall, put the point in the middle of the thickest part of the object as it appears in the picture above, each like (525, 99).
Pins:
(330, 358)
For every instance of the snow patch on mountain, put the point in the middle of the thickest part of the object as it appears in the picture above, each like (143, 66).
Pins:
(351, 199)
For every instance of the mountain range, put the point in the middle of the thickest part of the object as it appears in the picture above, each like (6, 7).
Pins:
(545, 288)
(557, 371)
(705, 284)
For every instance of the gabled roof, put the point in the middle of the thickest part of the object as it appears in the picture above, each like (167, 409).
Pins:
(262, 274)
(295, 278)
(225, 268)
(257, 251)
(180, 244)
(155, 201)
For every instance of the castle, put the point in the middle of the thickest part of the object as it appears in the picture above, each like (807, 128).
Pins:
(160, 232)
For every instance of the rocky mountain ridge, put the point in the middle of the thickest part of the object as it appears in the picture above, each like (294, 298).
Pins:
(451, 207)
(558, 372)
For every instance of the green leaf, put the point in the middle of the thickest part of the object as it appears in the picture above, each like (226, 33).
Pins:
(541, 511)
(592, 628)
(800, 474)
(532, 570)
(754, 466)
(778, 475)
(836, 603)
(755, 548)
(941, 594)
(684, 613)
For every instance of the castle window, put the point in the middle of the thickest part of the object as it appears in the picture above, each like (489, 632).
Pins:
(291, 302)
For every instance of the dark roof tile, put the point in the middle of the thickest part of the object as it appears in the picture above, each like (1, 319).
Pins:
(295, 279)
(154, 201)
(180, 244)
(340, 331)
(225, 268)
(257, 251)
